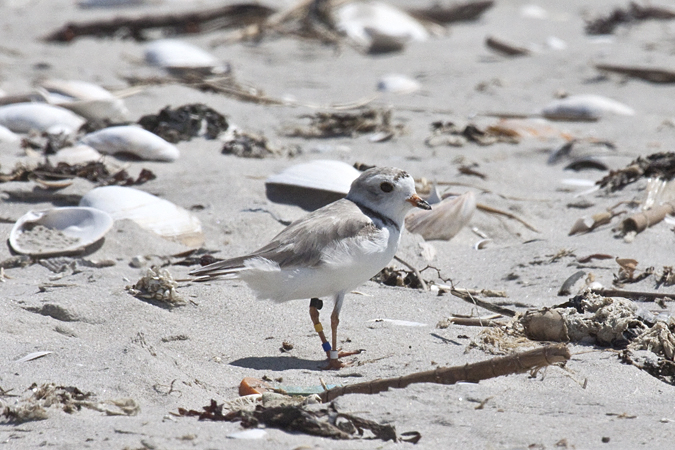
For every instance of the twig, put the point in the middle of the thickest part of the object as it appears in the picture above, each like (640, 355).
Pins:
(474, 322)
(635, 295)
(490, 209)
(473, 373)
(415, 271)
(467, 297)
(484, 292)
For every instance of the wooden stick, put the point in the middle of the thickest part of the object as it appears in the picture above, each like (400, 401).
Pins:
(490, 209)
(635, 295)
(415, 271)
(473, 373)
(467, 297)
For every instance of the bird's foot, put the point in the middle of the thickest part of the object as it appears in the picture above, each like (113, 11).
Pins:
(336, 364)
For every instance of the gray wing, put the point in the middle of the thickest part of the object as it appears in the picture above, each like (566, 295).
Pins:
(303, 241)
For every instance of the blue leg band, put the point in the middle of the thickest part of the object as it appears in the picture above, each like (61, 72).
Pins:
(326, 346)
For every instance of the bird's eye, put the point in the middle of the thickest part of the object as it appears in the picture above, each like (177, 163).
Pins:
(386, 187)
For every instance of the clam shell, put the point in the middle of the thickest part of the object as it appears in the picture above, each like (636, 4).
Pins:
(360, 21)
(584, 107)
(6, 135)
(311, 185)
(445, 220)
(78, 154)
(86, 99)
(25, 117)
(59, 231)
(132, 140)
(397, 84)
(151, 213)
(174, 54)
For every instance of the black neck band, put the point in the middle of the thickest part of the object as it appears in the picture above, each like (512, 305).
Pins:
(376, 215)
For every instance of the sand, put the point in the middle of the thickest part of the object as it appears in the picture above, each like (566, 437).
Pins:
(105, 341)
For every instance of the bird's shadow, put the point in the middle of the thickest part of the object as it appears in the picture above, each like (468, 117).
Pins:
(276, 363)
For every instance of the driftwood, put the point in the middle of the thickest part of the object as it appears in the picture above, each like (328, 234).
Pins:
(461, 12)
(506, 48)
(634, 295)
(467, 297)
(653, 74)
(473, 373)
(191, 22)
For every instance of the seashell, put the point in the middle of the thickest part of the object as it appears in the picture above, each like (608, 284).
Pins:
(445, 220)
(86, 99)
(584, 107)
(151, 213)
(311, 185)
(397, 84)
(367, 22)
(176, 55)
(78, 154)
(6, 135)
(59, 231)
(40, 117)
(133, 140)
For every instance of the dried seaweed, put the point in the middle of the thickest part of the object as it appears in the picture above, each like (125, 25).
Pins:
(248, 145)
(325, 422)
(461, 12)
(632, 14)
(343, 124)
(389, 276)
(185, 122)
(452, 134)
(656, 165)
(94, 171)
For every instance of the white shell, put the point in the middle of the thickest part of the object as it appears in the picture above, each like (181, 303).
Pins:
(6, 135)
(360, 21)
(134, 140)
(584, 107)
(176, 54)
(25, 117)
(445, 220)
(86, 99)
(78, 154)
(59, 231)
(151, 213)
(397, 84)
(311, 185)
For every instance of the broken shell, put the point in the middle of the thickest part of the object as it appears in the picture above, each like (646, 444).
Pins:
(132, 140)
(86, 99)
(78, 154)
(445, 220)
(584, 107)
(311, 185)
(151, 213)
(397, 84)
(59, 231)
(25, 117)
(6, 135)
(366, 23)
(175, 55)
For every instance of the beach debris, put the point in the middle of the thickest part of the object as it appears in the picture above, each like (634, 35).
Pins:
(505, 47)
(397, 84)
(324, 421)
(244, 144)
(390, 276)
(69, 264)
(472, 297)
(185, 122)
(493, 210)
(311, 185)
(76, 154)
(131, 140)
(59, 231)
(582, 154)
(633, 13)
(455, 135)
(584, 107)
(345, 124)
(179, 57)
(485, 321)
(378, 27)
(88, 100)
(567, 286)
(236, 15)
(39, 117)
(652, 74)
(527, 128)
(150, 212)
(95, 171)
(40, 399)
(7, 135)
(445, 219)
(158, 285)
(656, 165)
(586, 224)
(456, 12)
(638, 222)
(628, 272)
(527, 361)
(33, 355)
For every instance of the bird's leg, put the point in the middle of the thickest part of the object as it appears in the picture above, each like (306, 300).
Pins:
(333, 355)
(315, 305)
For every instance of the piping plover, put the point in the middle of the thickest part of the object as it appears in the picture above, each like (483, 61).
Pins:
(330, 251)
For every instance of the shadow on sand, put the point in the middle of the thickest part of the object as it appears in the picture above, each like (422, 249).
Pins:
(277, 363)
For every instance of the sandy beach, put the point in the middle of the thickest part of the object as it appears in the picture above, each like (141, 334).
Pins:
(104, 341)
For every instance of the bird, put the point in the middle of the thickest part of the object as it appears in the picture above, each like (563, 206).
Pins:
(330, 251)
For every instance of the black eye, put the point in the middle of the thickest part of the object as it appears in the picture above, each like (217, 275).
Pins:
(386, 187)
